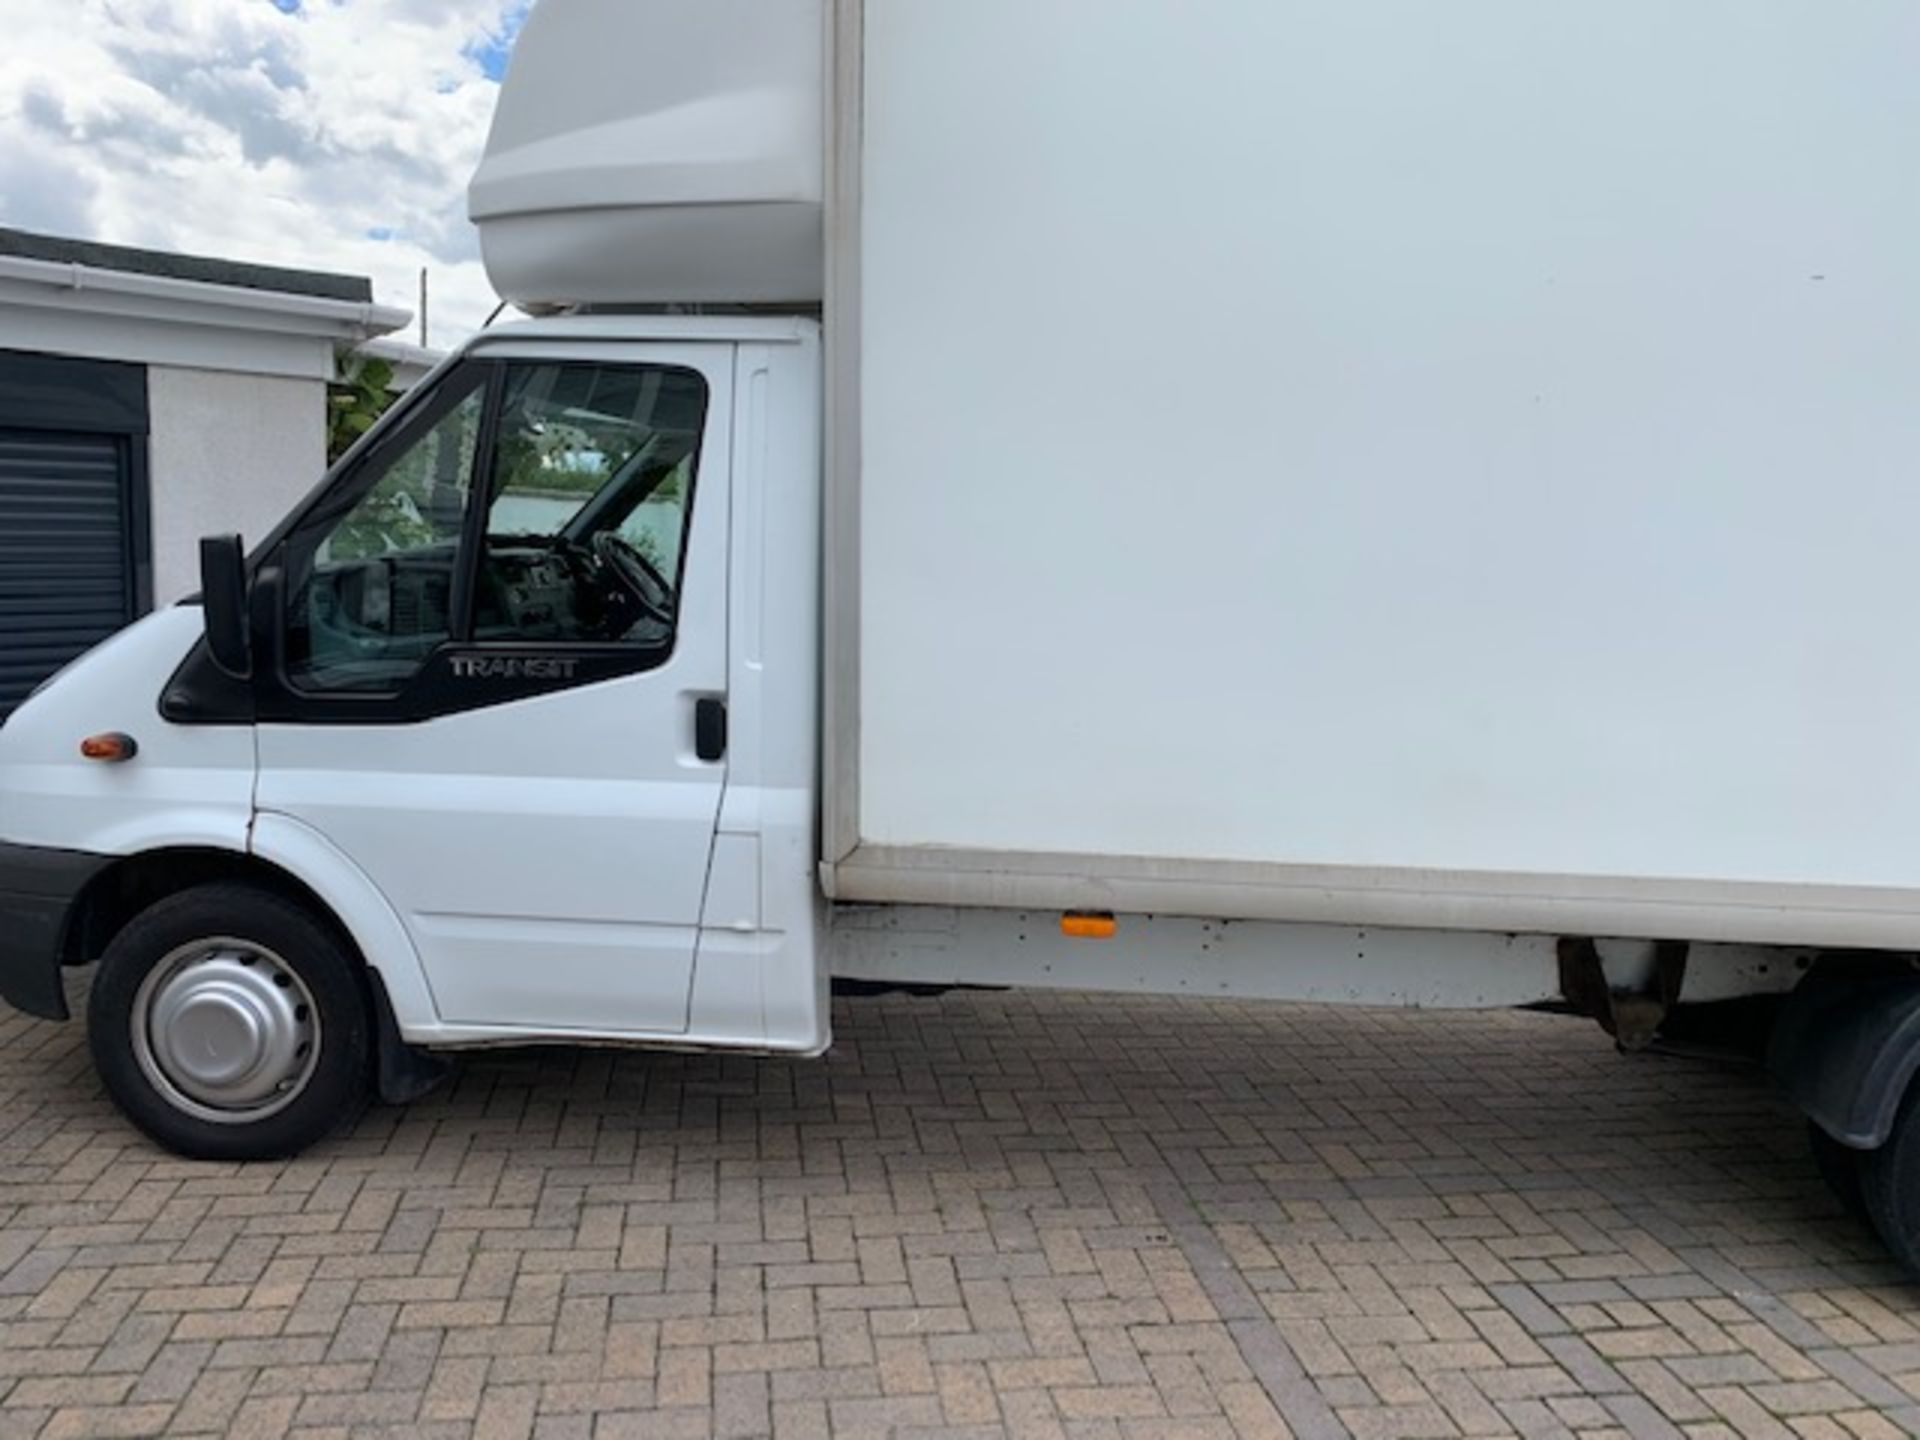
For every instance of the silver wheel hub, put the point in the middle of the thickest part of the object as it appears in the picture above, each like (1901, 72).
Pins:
(226, 1030)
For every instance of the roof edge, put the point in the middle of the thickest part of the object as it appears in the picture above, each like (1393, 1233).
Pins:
(163, 264)
(215, 304)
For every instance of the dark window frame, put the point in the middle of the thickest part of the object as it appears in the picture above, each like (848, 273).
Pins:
(444, 684)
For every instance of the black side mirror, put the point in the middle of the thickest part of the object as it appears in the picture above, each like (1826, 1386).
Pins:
(223, 594)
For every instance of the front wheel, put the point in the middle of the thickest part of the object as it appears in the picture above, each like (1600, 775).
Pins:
(229, 1024)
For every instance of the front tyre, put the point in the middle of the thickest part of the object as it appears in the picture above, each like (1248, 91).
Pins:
(230, 1024)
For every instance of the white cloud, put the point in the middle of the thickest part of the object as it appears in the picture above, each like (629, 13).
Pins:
(339, 135)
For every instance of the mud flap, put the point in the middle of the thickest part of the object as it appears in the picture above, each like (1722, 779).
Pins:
(404, 1072)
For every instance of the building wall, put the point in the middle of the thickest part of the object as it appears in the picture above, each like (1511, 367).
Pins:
(229, 452)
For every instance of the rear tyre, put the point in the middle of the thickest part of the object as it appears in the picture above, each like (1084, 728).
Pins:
(1890, 1186)
(229, 1024)
(1839, 1165)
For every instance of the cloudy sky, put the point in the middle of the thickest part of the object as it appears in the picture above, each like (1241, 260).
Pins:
(326, 134)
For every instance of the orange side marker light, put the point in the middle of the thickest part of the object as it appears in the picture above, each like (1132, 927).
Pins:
(1088, 925)
(111, 746)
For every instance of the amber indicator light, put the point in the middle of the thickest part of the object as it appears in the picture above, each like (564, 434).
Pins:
(112, 747)
(1088, 925)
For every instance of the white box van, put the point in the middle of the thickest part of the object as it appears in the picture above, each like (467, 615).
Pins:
(1375, 502)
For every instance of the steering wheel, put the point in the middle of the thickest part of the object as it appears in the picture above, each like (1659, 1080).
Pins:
(637, 574)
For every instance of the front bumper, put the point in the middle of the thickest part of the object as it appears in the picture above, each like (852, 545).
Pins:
(38, 888)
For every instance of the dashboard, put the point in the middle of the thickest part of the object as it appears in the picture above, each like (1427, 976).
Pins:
(533, 591)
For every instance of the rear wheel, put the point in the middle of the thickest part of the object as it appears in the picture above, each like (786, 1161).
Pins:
(230, 1024)
(1890, 1186)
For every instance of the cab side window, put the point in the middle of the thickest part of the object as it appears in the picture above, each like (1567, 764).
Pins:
(591, 482)
(583, 477)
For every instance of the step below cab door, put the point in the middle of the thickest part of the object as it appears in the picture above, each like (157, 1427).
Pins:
(494, 681)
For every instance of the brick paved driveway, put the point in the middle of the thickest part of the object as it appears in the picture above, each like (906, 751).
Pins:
(994, 1214)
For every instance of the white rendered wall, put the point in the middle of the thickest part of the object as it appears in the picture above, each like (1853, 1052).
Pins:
(228, 452)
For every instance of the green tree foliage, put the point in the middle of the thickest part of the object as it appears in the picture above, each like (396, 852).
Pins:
(358, 398)
(421, 498)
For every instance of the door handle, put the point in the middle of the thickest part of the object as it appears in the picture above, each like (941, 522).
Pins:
(710, 728)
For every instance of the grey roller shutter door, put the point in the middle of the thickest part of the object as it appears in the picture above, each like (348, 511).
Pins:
(66, 551)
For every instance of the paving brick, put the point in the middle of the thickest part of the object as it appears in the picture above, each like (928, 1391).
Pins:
(212, 1401)
(984, 1214)
(171, 1372)
(507, 1413)
(100, 1422)
(37, 1392)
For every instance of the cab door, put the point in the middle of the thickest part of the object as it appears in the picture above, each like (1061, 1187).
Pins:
(500, 657)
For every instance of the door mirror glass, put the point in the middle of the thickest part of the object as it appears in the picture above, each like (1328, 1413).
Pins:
(370, 573)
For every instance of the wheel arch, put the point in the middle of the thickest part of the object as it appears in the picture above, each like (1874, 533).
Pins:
(359, 907)
(303, 869)
(133, 883)
(1846, 1048)
(286, 858)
